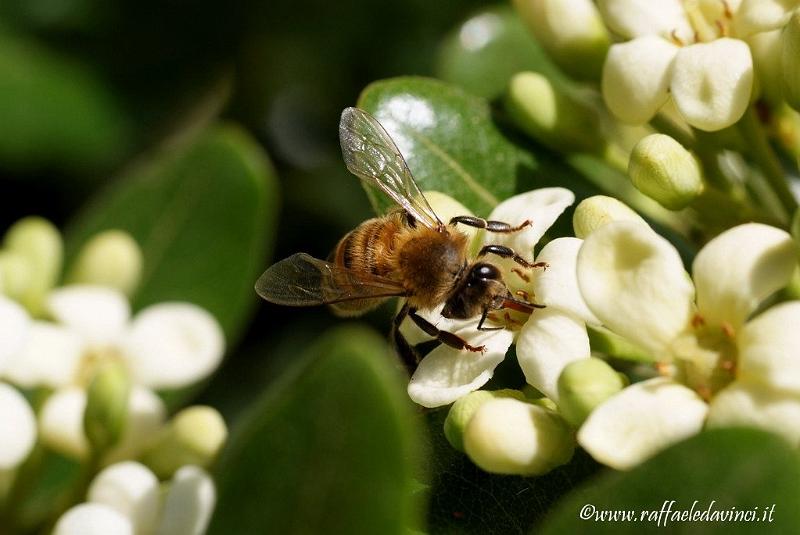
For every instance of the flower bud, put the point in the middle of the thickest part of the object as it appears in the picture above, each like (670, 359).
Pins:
(598, 210)
(194, 436)
(571, 31)
(663, 170)
(464, 408)
(111, 258)
(583, 385)
(15, 274)
(40, 243)
(507, 436)
(551, 116)
(107, 406)
(791, 61)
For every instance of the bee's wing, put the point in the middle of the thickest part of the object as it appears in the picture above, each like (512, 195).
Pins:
(302, 280)
(371, 155)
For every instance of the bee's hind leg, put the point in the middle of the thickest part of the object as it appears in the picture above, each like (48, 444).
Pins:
(407, 353)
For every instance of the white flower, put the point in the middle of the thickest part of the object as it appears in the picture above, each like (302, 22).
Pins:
(693, 52)
(700, 333)
(167, 345)
(17, 428)
(125, 498)
(548, 340)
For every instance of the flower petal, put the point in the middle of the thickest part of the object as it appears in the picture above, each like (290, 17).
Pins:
(632, 18)
(14, 325)
(540, 206)
(17, 427)
(636, 78)
(132, 490)
(548, 341)
(769, 348)
(633, 280)
(711, 82)
(446, 374)
(145, 418)
(50, 357)
(61, 422)
(92, 519)
(763, 15)
(744, 403)
(741, 267)
(97, 313)
(189, 504)
(640, 421)
(171, 345)
(557, 286)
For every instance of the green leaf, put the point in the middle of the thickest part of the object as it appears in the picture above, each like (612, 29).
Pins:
(204, 216)
(483, 52)
(327, 450)
(448, 139)
(720, 469)
(56, 112)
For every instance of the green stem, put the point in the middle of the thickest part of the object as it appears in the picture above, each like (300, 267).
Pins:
(761, 151)
(668, 127)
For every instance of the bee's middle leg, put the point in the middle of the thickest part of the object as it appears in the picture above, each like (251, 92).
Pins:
(507, 252)
(446, 337)
(489, 225)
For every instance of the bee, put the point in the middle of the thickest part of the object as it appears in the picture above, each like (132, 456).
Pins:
(407, 253)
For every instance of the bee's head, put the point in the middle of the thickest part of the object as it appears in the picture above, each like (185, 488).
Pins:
(482, 287)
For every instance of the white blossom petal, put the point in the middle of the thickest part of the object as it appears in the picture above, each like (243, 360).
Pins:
(557, 286)
(132, 490)
(14, 325)
(769, 348)
(17, 427)
(547, 342)
(189, 503)
(632, 18)
(712, 82)
(145, 418)
(636, 77)
(92, 519)
(738, 269)
(640, 421)
(50, 357)
(634, 282)
(170, 345)
(751, 404)
(763, 15)
(446, 374)
(61, 422)
(97, 313)
(540, 206)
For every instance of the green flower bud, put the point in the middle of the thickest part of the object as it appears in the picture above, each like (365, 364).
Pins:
(612, 344)
(571, 31)
(15, 274)
(663, 170)
(598, 210)
(462, 410)
(791, 61)
(111, 258)
(40, 243)
(508, 436)
(194, 436)
(107, 406)
(583, 385)
(551, 116)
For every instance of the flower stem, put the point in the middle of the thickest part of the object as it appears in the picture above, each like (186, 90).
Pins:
(761, 151)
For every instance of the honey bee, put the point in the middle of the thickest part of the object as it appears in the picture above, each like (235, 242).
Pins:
(406, 253)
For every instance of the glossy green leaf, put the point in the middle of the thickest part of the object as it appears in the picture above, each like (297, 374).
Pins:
(328, 449)
(448, 139)
(55, 111)
(204, 215)
(744, 469)
(483, 52)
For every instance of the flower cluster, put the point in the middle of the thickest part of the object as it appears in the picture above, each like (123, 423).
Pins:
(94, 368)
